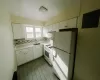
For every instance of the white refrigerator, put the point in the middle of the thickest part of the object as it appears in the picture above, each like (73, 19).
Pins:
(64, 47)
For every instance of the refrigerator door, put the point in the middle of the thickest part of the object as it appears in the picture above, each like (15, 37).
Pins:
(62, 59)
(62, 40)
(58, 72)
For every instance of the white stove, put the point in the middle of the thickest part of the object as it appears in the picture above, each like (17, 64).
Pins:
(48, 53)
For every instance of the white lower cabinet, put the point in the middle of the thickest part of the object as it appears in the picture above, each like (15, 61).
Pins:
(37, 51)
(24, 55)
(20, 57)
(27, 54)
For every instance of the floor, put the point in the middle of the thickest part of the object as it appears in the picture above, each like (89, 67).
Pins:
(37, 69)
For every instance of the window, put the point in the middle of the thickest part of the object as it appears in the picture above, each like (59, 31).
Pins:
(29, 32)
(38, 32)
(33, 32)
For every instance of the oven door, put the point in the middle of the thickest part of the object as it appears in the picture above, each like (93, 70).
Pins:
(46, 53)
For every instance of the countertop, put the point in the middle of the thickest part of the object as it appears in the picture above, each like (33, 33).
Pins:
(22, 46)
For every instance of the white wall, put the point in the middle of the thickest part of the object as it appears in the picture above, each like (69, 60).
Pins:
(87, 65)
(7, 57)
(88, 46)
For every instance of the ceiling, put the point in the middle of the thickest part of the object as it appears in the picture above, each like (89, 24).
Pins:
(30, 8)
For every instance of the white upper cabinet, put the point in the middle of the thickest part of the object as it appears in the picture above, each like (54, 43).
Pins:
(55, 27)
(72, 23)
(18, 31)
(63, 25)
(50, 28)
(45, 31)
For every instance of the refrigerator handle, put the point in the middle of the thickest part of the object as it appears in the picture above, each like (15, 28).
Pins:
(59, 49)
(62, 50)
(55, 53)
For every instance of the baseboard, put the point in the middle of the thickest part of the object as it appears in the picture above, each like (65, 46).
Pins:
(15, 76)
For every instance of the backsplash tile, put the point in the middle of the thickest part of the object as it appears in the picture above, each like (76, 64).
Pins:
(24, 41)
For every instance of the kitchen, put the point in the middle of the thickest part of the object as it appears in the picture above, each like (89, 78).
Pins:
(32, 42)
(49, 39)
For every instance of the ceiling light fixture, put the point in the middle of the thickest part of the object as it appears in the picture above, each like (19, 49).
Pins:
(43, 9)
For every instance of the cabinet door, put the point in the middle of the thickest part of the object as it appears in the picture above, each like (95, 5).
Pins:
(38, 51)
(45, 31)
(50, 28)
(29, 55)
(18, 31)
(55, 27)
(72, 23)
(20, 57)
(63, 25)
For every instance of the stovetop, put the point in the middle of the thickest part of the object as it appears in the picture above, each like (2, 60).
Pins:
(49, 45)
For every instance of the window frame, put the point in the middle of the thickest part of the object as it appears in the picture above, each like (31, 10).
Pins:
(38, 32)
(29, 32)
(34, 32)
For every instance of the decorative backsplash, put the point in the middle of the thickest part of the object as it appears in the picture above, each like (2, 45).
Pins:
(23, 41)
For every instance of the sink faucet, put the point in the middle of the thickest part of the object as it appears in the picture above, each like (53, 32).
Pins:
(36, 41)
